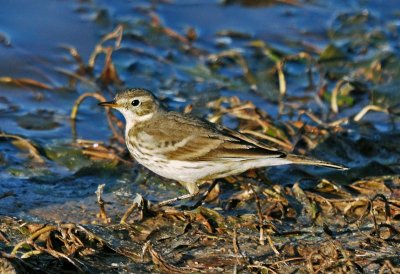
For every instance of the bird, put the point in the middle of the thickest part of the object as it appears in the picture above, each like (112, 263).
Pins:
(191, 150)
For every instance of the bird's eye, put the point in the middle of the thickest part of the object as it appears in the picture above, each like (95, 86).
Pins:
(135, 102)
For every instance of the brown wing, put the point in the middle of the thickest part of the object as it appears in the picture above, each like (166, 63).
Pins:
(192, 139)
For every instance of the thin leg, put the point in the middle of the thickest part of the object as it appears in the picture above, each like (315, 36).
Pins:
(170, 201)
(204, 196)
(188, 196)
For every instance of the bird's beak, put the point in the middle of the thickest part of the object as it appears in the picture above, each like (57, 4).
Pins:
(112, 104)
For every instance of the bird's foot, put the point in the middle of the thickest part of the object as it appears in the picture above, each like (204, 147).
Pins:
(189, 196)
(176, 199)
(203, 197)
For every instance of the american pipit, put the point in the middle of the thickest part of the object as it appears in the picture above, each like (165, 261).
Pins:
(191, 150)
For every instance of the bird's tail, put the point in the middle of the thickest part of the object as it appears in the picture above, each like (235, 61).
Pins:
(301, 160)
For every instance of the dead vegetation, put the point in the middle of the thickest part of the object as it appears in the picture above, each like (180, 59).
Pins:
(315, 225)
(325, 229)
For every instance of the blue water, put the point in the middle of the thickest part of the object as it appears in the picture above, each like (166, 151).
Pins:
(38, 31)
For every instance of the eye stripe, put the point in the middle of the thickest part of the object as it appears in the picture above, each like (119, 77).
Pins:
(145, 108)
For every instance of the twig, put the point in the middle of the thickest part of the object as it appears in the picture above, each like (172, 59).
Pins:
(7, 194)
(335, 93)
(128, 213)
(387, 207)
(145, 248)
(261, 223)
(101, 98)
(281, 78)
(236, 246)
(138, 202)
(25, 82)
(312, 116)
(115, 34)
(100, 201)
(269, 266)
(80, 99)
(77, 76)
(3, 238)
(260, 216)
(287, 146)
(36, 234)
(368, 108)
(57, 254)
(26, 144)
(165, 266)
(75, 54)
(28, 254)
(387, 266)
(155, 21)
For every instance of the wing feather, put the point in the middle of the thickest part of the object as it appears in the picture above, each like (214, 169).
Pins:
(198, 140)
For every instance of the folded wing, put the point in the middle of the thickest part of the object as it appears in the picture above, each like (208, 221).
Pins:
(199, 140)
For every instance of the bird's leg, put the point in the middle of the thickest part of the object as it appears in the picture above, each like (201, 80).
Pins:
(173, 200)
(204, 196)
(194, 191)
(192, 188)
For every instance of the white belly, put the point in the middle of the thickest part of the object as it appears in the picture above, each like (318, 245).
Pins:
(196, 171)
(193, 171)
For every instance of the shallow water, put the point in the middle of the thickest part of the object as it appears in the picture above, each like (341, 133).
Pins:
(33, 36)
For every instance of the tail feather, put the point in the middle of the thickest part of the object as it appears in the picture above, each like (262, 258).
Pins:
(302, 160)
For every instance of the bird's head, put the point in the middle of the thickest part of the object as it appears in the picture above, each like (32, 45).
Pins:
(135, 104)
